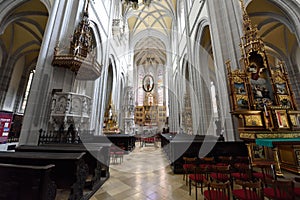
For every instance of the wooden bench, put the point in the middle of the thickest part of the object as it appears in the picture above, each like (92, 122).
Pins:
(96, 157)
(26, 182)
(123, 141)
(70, 170)
(178, 146)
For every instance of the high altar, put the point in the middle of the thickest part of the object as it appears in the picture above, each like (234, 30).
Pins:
(150, 113)
(263, 102)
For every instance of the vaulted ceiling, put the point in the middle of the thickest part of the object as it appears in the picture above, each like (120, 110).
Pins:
(157, 17)
(23, 31)
(275, 28)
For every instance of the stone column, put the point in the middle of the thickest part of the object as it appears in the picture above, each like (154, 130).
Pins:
(60, 23)
(226, 31)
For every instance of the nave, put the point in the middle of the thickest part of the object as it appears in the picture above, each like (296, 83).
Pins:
(144, 174)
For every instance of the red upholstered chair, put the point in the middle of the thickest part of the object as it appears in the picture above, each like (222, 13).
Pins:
(224, 160)
(217, 191)
(244, 172)
(221, 173)
(199, 179)
(115, 154)
(249, 191)
(188, 167)
(119, 154)
(280, 190)
(207, 162)
(112, 154)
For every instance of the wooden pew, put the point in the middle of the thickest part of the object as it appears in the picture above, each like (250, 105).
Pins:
(26, 182)
(70, 170)
(96, 157)
(180, 145)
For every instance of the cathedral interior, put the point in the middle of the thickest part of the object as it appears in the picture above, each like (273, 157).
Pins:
(94, 93)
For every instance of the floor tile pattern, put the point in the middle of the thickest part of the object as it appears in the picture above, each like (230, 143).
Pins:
(144, 174)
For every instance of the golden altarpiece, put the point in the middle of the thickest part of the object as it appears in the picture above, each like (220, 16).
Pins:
(150, 113)
(263, 102)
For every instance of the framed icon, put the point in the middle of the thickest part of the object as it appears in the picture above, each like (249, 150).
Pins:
(281, 118)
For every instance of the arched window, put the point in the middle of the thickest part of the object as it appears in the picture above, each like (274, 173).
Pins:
(26, 93)
(182, 17)
(214, 100)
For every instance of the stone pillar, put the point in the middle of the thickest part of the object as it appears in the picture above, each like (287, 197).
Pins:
(47, 77)
(226, 31)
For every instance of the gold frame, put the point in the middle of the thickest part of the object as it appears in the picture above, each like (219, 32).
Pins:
(253, 120)
(257, 152)
(239, 89)
(282, 119)
(294, 118)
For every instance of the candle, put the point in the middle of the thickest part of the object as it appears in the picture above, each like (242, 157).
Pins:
(265, 107)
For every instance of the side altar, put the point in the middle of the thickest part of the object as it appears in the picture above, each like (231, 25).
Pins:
(263, 102)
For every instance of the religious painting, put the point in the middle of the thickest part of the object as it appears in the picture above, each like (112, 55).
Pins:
(281, 118)
(242, 101)
(253, 120)
(239, 88)
(148, 83)
(258, 152)
(281, 88)
(285, 101)
(260, 81)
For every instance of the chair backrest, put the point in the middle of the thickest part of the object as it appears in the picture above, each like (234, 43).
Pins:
(221, 171)
(199, 170)
(244, 169)
(219, 190)
(209, 160)
(225, 159)
(189, 160)
(252, 190)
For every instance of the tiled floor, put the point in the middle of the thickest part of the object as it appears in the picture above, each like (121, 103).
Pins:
(145, 174)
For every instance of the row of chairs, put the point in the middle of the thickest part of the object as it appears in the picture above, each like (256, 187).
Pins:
(219, 178)
(190, 162)
(252, 190)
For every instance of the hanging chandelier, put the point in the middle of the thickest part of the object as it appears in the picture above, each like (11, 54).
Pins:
(135, 3)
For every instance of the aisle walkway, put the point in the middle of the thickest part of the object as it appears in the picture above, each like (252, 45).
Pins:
(145, 174)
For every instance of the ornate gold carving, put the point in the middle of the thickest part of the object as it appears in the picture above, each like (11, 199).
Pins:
(253, 120)
(81, 53)
(278, 78)
(247, 135)
(293, 120)
(261, 94)
(241, 97)
(283, 97)
(278, 135)
(237, 79)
